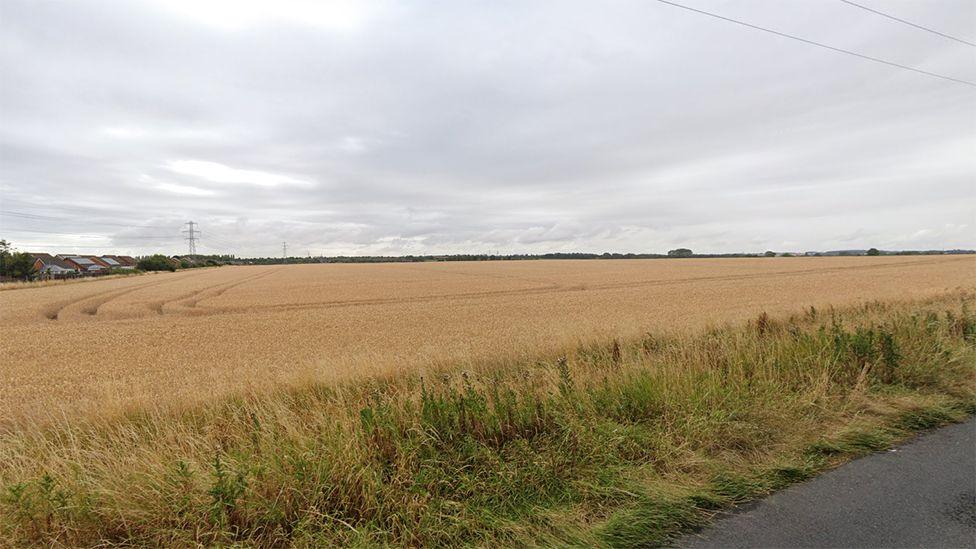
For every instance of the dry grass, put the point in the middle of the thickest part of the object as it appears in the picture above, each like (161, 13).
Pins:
(174, 339)
(619, 442)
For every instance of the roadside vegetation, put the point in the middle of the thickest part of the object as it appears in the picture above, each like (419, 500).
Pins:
(610, 443)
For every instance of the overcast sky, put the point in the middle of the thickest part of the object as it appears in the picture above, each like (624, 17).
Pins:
(448, 127)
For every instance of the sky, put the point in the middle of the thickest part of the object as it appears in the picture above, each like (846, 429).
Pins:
(415, 127)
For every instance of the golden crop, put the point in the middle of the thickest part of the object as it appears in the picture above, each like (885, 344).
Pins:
(191, 335)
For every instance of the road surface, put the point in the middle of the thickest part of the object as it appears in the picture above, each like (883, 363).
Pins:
(922, 494)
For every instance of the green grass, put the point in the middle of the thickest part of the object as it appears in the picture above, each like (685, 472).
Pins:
(619, 443)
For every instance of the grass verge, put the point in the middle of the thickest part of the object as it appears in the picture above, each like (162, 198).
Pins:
(620, 443)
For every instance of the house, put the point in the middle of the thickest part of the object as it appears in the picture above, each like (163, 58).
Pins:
(49, 266)
(126, 261)
(98, 261)
(112, 263)
(84, 264)
(122, 262)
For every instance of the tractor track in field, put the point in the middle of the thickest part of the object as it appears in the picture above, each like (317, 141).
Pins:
(54, 311)
(190, 300)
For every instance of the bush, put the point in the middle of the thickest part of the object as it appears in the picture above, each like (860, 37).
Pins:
(157, 262)
(123, 272)
(15, 264)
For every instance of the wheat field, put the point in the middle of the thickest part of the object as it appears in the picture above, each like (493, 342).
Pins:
(178, 338)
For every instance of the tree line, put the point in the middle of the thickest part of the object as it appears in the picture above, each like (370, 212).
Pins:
(14, 264)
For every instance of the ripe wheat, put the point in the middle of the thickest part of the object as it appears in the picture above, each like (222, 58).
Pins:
(189, 336)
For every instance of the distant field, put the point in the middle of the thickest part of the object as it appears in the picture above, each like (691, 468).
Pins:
(188, 336)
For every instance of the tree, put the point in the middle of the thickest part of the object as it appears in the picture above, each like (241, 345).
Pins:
(680, 252)
(20, 265)
(157, 262)
(874, 251)
(770, 253)
(15, 264)
(4, 254)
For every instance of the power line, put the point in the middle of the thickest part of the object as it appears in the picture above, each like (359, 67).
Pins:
(32, 245)
(191, 238)
(909, 23)
(86, 210)
(216, 241)
(220, 246)
(75, 246)
(219, 242)
(195, 235)
(212, 248)
(16, 230)
(26, 215)
(818, 44)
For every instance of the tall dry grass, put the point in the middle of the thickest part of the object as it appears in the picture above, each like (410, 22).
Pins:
(613, 443)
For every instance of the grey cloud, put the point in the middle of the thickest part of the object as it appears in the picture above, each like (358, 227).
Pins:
(516, 126)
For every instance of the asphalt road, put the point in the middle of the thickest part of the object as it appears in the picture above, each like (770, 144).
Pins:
(921, 494)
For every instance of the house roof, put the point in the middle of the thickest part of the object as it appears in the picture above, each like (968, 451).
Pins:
(111, 262)
(123, 260)
(50, 260)
(85, 262)
(80, 259)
